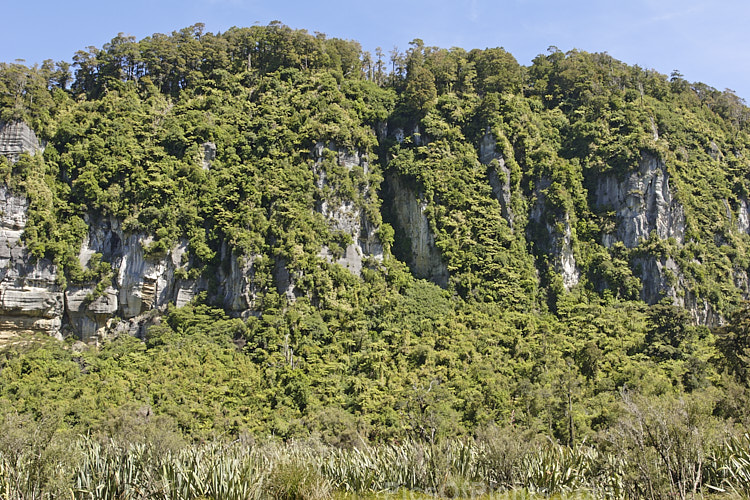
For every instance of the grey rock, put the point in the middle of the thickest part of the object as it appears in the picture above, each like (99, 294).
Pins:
(238, 288)
(208, 154)
(743, 217)
(642, 203)
(31, 300)
(140, 283)
(558, 235)
(714, 152)
(499, 176)
(285, 281)
(87, 314)
(654, 130)
(344, 215)
(425, 259)
(17, 138)
(398, 134)
(13, 209)
(663, 278)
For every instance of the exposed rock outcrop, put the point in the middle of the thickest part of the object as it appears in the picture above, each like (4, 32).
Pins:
(17, 138)
(418, 243)
(346, 216)
(743, 217)
(418, 137)
(555, 239)
(208, 154)
(663, 278)
(88, 313)
(238, 287)
(140, 283)
(642, 203)
(499, 176)
(31, 300)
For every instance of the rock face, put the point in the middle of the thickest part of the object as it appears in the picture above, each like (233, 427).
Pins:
(238, 287)
(31, 300)
(642, 203)
(743, 217)
(662, 277)
(499, 176)
(420, 252)
(344, 215)
(86, 313)
(17, 138)
(208, 154)
(139, 285)
(556, 236)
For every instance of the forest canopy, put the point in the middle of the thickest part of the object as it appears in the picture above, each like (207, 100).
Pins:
(511, 337)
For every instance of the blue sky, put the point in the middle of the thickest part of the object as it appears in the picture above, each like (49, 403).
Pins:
(707, 41)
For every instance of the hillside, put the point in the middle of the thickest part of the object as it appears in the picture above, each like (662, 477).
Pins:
(268, 232)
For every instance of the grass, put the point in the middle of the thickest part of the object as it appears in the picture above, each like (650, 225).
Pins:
(244, 470)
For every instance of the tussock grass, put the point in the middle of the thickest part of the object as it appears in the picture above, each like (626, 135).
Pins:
(244, 469)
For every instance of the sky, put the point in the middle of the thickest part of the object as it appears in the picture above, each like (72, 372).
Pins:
(706, 41)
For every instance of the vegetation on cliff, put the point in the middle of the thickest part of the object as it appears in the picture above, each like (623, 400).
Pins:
(509, 341)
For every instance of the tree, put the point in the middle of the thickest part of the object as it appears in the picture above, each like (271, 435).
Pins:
(88, 65)
(379, 66)
(420, 93)
(667, 329)
(733, 342)
(497, 70)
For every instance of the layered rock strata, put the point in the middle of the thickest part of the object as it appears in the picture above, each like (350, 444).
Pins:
(31, 300)
(17, 138)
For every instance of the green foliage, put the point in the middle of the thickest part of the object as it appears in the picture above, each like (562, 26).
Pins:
(499, 462)
(732, 341)
(507, 161)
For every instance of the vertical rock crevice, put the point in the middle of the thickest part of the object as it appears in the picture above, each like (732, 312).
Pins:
(414, 243)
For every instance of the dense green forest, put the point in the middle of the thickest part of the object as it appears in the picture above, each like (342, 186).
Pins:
(507, 344)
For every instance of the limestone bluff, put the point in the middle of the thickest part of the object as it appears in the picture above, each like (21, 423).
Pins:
(32, 300)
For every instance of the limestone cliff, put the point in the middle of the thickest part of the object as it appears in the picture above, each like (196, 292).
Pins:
(17, 138)
(139, 284)
(31, 299)
(238, 288)
(663, 278)
(415, 243)
(345, 215)
(499, 174)
(552, 233)
(643, 205)
(642, 202)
